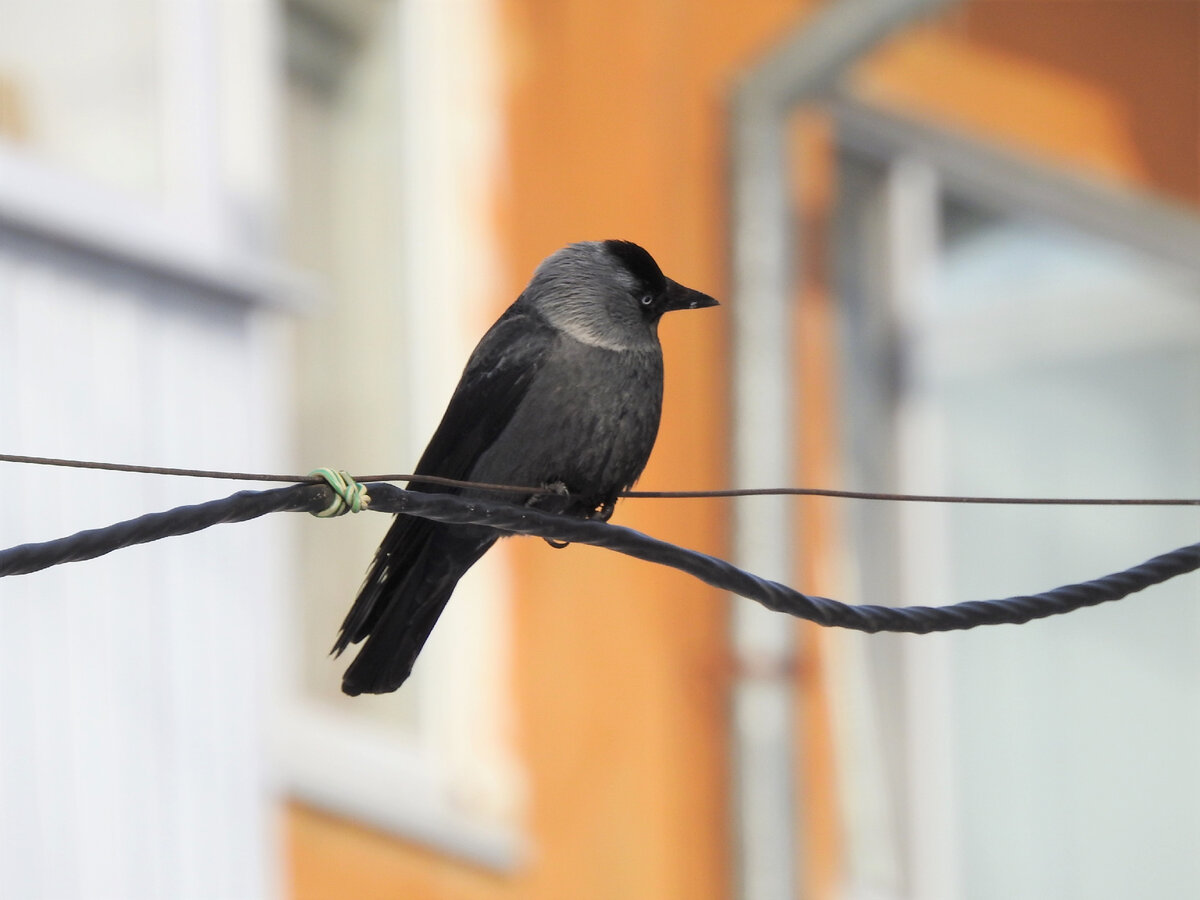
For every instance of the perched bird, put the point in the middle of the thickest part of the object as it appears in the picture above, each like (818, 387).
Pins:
(565, 392)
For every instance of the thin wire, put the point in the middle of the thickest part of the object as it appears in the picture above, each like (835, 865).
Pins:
(637, 495)
(915, 498)
(259, 476)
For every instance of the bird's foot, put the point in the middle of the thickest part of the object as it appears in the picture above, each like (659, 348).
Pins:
(604, 511)
(555, 501)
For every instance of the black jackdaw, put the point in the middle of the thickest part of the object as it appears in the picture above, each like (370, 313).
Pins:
(564, 391)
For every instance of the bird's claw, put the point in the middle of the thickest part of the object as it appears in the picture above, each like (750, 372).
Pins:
(604, 511)
(559, 489)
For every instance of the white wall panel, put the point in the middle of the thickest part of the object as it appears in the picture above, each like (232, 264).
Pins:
(132, 686)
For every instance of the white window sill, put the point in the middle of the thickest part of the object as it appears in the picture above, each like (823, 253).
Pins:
(86, 217)
(369, 774)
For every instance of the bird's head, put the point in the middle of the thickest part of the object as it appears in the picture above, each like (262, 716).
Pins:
(608, 294)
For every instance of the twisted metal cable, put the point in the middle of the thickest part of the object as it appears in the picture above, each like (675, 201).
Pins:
(511, 519)
(239, 507)
(779, 597)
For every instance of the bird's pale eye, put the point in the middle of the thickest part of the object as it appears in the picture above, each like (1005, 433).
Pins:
(646, 300)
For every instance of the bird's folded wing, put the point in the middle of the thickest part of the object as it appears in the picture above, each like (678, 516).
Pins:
(496, 379)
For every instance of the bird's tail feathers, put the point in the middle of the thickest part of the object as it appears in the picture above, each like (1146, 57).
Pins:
(387, 658)
(397, 556)
(405, 610)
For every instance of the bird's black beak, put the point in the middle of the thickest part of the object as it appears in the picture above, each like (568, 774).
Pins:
(680, 297)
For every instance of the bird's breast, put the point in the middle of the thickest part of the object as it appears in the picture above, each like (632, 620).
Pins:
(589, 420)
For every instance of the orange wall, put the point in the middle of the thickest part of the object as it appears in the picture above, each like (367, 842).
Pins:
(1107, 88)
(618, 130)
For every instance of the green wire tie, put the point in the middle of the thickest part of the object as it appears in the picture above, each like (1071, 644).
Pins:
(348, 494)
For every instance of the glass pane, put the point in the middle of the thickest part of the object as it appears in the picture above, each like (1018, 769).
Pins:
(79, 87)
(1062, 365)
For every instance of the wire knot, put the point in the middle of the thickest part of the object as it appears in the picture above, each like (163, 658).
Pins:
(348, 494)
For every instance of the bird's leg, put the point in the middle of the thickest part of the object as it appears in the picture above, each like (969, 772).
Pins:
(557, 490)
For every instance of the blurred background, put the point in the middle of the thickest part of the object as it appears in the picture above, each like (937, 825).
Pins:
(957, 249)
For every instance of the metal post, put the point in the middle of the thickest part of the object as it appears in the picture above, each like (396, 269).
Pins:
(764, 262)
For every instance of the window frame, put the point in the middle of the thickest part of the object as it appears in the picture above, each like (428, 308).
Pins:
(919, 165)
(413, 786)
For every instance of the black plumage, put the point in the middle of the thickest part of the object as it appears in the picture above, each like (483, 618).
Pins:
(564, 390)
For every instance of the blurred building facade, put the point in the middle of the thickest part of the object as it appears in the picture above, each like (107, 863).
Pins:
(256, 235)
(135, 189)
